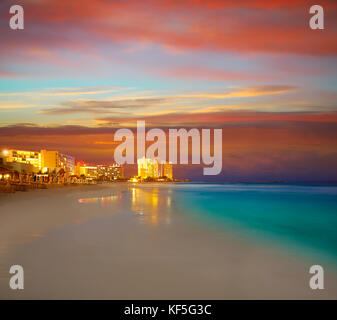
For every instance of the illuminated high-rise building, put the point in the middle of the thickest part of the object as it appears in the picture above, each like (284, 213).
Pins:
(165, 170)
(148, 168)
(67, 163)
(49, 160)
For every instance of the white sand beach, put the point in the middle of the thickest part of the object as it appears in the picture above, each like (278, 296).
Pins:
(124, 241)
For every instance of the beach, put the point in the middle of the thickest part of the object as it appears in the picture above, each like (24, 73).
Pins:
(138, 241)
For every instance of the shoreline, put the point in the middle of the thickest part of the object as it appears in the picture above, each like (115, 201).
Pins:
(24, 187)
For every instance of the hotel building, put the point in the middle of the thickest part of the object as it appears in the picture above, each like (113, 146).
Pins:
(52, 161)
(22, 156)
(110, 172)
(45, 160)
(82, 169)
(49, 160)
(148, 168)
(67, 163)
(165, 170)
(91, 172)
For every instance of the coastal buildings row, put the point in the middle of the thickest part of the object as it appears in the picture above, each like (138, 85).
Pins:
(54, 166)
(51, 163)
(44, 160)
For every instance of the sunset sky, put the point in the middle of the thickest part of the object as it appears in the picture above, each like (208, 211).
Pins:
(81, 69)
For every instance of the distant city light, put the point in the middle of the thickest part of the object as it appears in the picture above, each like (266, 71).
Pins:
(5, 152)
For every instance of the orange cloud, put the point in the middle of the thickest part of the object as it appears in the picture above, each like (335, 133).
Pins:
(225, 26)
(216, 118)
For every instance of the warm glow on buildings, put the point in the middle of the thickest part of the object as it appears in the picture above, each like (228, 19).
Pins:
(110, 172)
(67, 163)
(49, 159)
(22, 156)
(152, 207)
(165, 170)
(91, 172)
(151, 168)
(82, 169)
(148, 168)
(51, 162)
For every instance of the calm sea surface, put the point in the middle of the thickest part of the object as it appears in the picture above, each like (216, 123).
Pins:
(302, 216)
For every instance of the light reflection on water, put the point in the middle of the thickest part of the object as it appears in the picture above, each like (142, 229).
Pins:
(153, 206)
(103, 201)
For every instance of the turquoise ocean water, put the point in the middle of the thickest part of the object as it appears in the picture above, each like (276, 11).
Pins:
(303, 217)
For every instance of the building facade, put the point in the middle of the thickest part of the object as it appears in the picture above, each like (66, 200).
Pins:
(49, 160)
(165, 170)
(91, 172)
(23, 156)
(67, 163)
(110, 172)
(148, 168)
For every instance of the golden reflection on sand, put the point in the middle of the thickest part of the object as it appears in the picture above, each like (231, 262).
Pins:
(148, 204)
(103, 201)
